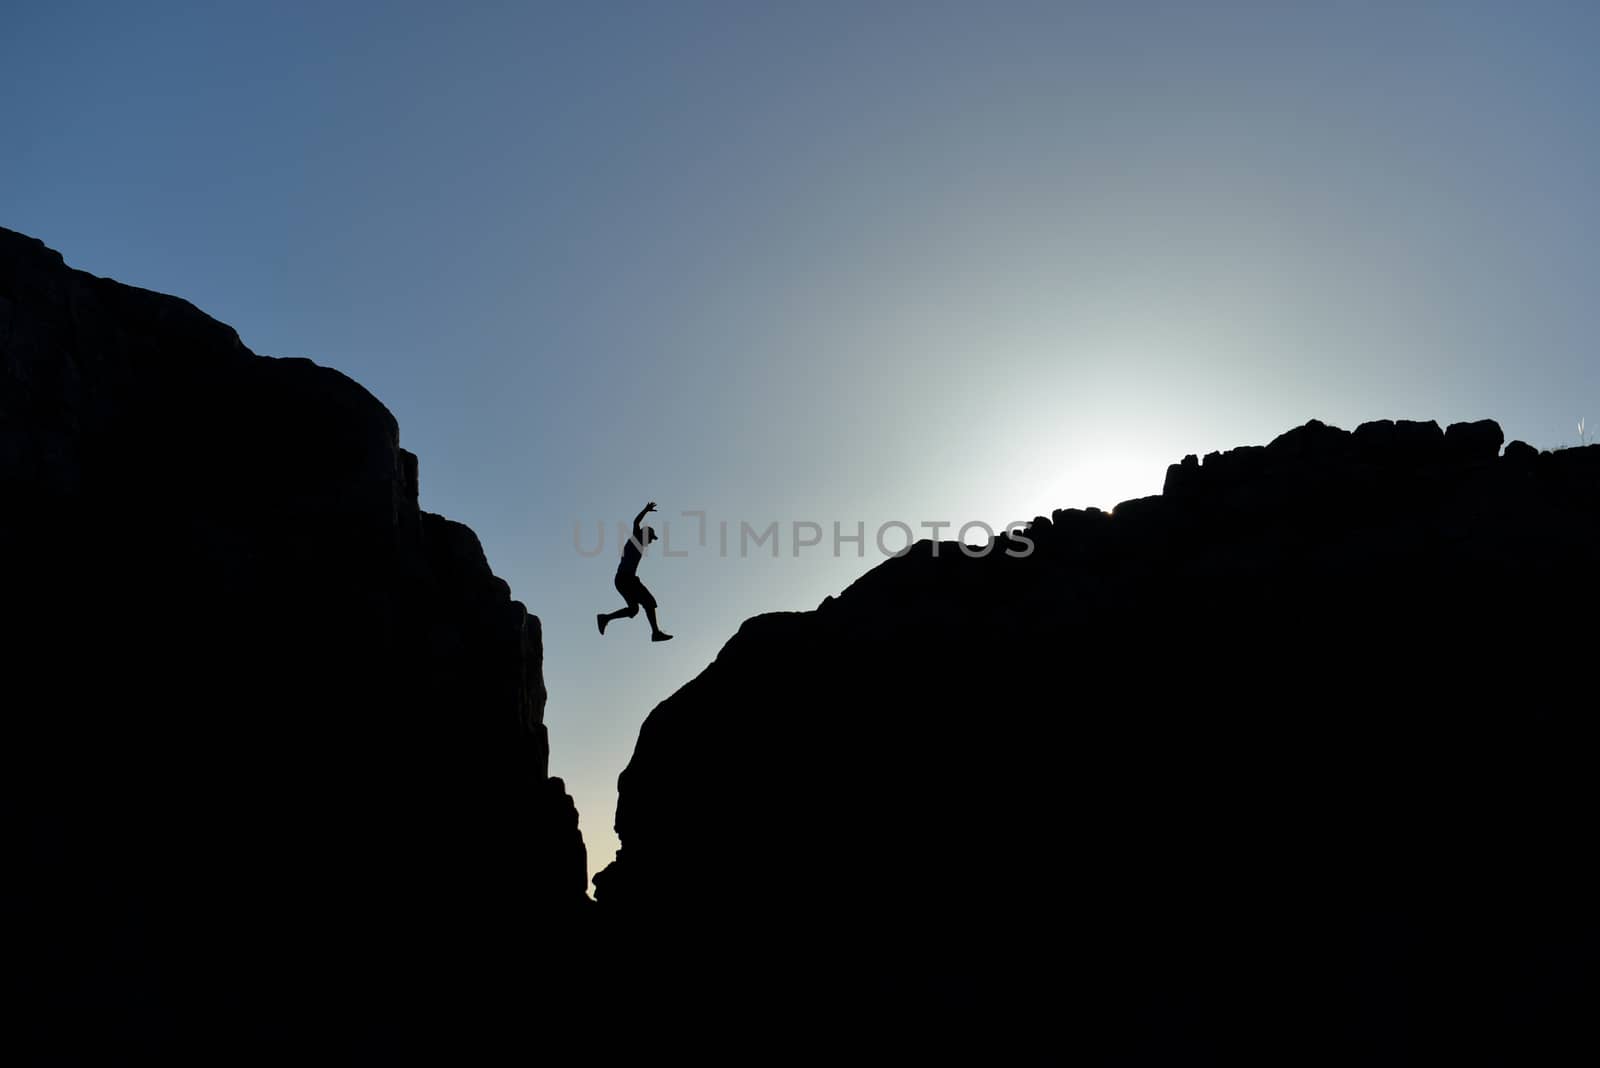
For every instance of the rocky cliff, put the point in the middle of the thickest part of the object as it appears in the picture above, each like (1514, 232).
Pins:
(1293, 763)
(273, 734)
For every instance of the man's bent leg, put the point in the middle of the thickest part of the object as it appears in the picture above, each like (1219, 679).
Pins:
(621, 613)
(656, 633)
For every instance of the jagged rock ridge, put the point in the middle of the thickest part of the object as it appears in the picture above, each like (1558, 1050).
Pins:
(1292, 763)
(275, 733)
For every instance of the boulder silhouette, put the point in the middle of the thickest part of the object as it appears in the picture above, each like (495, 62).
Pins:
(1293, 763)
(273, 733)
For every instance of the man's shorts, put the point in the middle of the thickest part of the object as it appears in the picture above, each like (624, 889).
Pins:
(633, 591)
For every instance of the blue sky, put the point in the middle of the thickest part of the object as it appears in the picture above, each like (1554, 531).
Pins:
(854, 263)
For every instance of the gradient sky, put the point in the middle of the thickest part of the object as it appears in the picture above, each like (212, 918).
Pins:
(854, 263)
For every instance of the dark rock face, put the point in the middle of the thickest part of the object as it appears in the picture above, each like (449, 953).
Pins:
(274, 735)
(1291, 764)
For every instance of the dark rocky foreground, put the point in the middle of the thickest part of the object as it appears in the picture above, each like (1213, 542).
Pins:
(275, 766)
(1292, 764)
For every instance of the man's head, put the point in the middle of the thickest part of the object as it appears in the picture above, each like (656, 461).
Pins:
(649, 535)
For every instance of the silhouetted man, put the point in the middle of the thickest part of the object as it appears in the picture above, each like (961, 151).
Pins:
(628, 583)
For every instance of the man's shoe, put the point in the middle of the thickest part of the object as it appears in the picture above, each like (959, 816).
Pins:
(661, 636)
(601, 619)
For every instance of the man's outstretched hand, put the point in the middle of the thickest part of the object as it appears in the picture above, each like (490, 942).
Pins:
(650, 507)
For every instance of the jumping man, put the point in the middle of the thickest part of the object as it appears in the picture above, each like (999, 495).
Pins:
(628, 583)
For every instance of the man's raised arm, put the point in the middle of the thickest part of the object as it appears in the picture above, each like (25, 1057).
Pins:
(638, 521)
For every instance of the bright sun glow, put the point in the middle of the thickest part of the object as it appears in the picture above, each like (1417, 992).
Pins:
(1084, 480)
